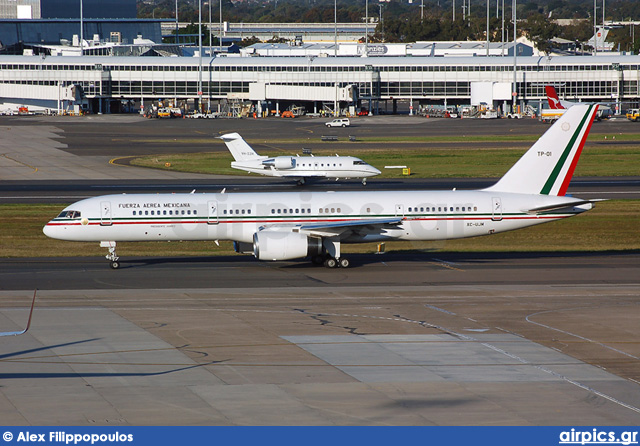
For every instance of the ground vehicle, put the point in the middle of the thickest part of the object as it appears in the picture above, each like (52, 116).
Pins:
(363, 112)
(633, 114)
(164, 113)
(340, 122)
(287, 114)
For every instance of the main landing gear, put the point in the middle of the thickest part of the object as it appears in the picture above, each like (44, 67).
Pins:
(112, 256)
(330, 257)
(330, 262)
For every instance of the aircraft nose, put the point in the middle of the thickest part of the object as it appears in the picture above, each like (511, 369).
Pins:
(50, 230)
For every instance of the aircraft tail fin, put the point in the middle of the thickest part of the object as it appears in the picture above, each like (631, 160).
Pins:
(547, 167)
(239, 148)
(552, 97)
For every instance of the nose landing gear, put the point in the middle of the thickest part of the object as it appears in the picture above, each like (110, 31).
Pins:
(112, 256)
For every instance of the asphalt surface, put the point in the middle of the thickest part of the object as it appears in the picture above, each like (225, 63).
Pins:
(420, 338)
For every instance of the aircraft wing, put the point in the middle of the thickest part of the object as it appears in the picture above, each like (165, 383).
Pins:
(334, 229)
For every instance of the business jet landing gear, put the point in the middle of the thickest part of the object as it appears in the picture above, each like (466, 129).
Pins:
(112, 256)
(364, 181)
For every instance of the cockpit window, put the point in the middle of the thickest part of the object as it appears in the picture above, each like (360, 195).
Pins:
(359, 163)
(69, 214)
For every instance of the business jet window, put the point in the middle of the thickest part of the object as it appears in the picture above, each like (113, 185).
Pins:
(69, 214)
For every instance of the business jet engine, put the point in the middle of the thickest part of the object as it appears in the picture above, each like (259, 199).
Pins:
(280, 162)
(281, 245)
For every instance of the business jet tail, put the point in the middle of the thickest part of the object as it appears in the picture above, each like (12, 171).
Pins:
(239, 148)
(547, 167)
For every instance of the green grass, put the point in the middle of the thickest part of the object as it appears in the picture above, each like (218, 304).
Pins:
(611, 226)
(596, 160)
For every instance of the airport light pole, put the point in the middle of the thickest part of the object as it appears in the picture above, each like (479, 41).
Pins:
(487, 28)
(514, 91)
(177, 42)
(335, 28)
(199, 55)
(220, 29)
(81, 29)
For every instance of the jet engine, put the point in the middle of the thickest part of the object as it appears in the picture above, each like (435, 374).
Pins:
(280, 245)
(280, 162)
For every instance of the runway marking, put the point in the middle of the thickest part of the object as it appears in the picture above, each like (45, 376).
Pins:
(35, 169)
(445, 264)
(573, 334)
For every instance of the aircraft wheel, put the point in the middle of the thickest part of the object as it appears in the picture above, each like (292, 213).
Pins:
(114, 264)
(331, 262)
(344, 262)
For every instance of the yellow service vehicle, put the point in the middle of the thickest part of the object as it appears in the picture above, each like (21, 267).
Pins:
(633, 114)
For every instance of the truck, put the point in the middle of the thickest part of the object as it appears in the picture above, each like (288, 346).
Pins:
(633, 114)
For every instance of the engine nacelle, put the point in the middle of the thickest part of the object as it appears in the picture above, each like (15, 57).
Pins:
(281, 162)
(280, 245)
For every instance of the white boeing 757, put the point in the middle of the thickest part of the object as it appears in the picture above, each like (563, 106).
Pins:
(298, 167)
(291, 225)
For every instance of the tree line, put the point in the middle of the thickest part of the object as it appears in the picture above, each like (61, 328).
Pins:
(399, 21)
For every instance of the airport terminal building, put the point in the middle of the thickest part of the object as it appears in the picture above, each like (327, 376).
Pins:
(369, 82)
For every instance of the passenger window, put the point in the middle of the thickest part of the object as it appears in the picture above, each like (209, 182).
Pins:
(243, 212)
(338, 210)
(451, 209)
(475, 208)
(195, 212)
(134, 212)
(320, 211)
(183, 212)
(457, 208)
(146, 212)
(248, 211)
(333, 211)
(279, 211)
(273, 211)
(302, 211)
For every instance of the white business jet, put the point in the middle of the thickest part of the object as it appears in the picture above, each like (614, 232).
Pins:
(298, 167)
(292, 225)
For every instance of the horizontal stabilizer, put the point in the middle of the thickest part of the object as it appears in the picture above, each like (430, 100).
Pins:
(557, 206)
